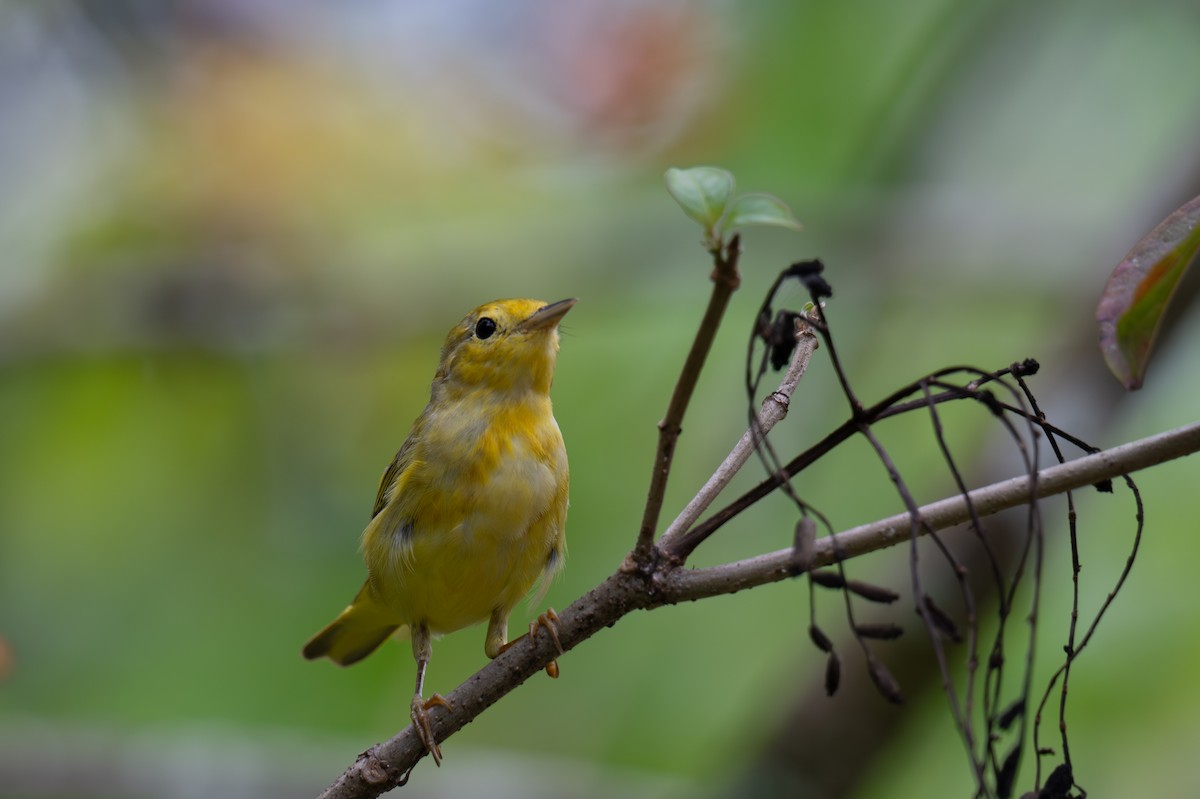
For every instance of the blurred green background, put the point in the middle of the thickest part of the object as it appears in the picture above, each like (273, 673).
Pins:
(234, 234)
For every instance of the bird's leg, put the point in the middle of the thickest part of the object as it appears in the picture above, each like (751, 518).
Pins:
(497, 634)
(419, 710)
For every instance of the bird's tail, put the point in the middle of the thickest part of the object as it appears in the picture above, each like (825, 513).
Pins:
(354, 634)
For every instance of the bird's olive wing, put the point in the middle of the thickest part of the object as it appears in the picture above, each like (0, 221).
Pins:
(394, 470)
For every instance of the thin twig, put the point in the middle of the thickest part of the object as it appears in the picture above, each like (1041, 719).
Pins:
(889, 406)
(725, 281)
(690, 584)
(964, 587)
(774, 409)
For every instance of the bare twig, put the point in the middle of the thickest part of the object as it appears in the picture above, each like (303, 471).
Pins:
(385, 765)
(684, 544)
(725, 281)
(774, 409)
(774, 566)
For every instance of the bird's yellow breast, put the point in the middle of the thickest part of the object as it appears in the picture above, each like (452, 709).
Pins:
(476, 514)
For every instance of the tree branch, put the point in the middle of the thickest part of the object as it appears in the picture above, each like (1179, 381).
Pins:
(387, 764)
(774, 410)
(725, 279)
(684, 585)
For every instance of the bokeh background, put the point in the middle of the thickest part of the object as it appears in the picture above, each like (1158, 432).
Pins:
(233, 234)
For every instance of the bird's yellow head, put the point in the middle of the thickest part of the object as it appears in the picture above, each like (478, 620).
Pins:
(506, 345)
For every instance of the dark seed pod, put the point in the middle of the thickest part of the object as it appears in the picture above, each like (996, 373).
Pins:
(833, 674)
(884, 632)
(762, 325)
(1011, 714)
(884, 681)
(874, 593)
(819, 638)
(805, 269)
(804, 542)
(1058, 784)
(809, 273)
(1008, 773)
(941, 621)
(818, 288)
(827, 579)
(783, 338)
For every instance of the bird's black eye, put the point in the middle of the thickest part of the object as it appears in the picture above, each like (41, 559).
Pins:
(484, 328)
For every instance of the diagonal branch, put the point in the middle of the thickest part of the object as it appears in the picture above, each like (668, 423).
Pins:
(386, 765)
(725, 281)
(774, 410)
(685, 585)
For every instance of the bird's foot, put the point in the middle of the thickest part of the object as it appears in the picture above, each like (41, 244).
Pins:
(419, 713)
(549, 622)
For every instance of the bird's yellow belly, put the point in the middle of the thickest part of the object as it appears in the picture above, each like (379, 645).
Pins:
(459, 582)
(468, 553)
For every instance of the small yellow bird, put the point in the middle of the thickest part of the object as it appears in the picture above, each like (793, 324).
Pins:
(470, 512)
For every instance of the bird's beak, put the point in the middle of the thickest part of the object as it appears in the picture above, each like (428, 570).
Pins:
(548, 315)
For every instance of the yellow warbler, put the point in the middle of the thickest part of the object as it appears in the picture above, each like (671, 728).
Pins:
(470, 512)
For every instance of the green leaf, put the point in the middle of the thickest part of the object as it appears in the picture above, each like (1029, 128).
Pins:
(760, 209)
(702, 192)
(1140, 289)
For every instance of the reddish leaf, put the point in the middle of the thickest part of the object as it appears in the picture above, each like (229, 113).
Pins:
(1139, 290)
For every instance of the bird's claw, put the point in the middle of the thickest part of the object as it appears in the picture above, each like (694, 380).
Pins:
(419, 713)
(549, 622)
